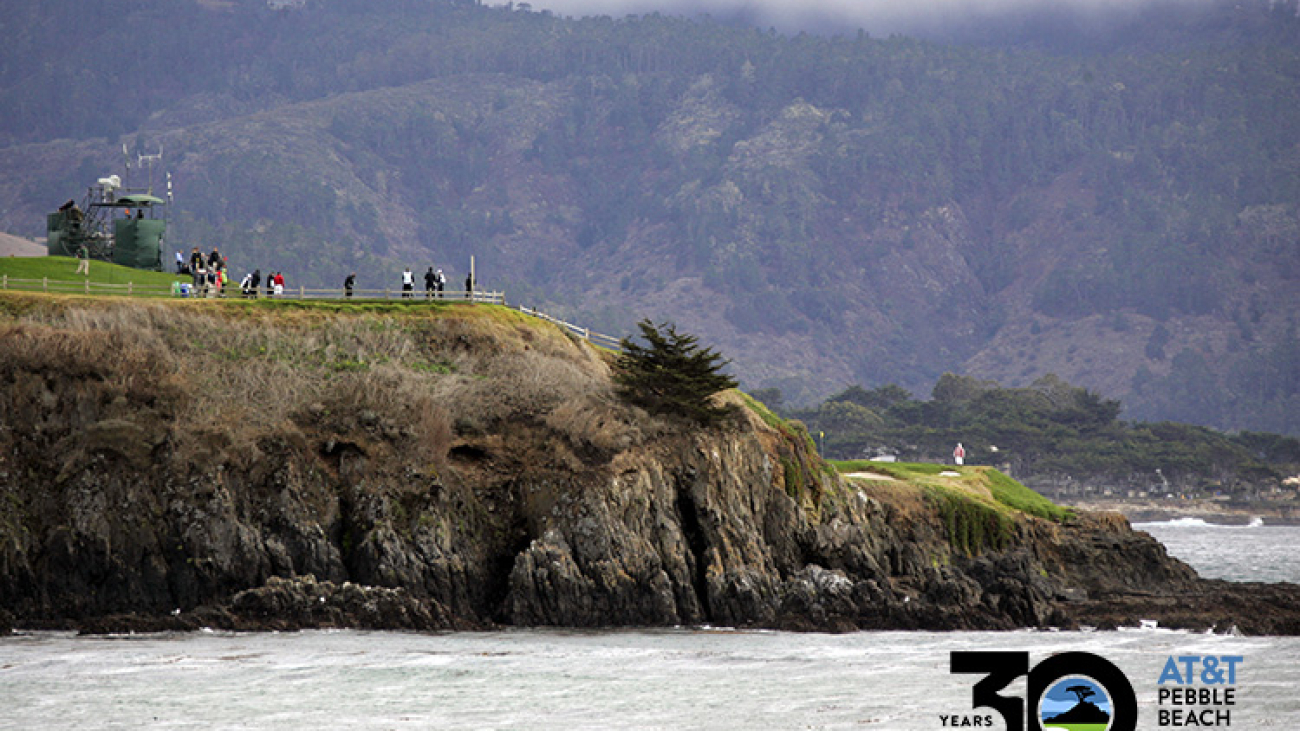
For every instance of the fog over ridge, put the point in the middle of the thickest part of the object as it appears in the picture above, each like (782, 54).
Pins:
(874, 16)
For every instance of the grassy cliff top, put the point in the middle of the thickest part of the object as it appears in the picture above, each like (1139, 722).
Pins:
(429, 370)
(984, 485)
(63, 269)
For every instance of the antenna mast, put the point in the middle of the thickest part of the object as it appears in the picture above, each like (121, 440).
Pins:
(150, 159)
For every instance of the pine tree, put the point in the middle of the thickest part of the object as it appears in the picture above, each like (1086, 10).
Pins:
(671, 374)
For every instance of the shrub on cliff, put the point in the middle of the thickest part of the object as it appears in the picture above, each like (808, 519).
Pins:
(672, 374)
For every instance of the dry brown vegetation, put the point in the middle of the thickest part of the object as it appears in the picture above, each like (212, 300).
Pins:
(413, 380)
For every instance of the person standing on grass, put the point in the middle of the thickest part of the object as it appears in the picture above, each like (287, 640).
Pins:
(255, 283)
(83, 261)
(348, 284)
(441, 282)
(279, 284)
(270, 284)
(469, 287)
(408, 282)
(430, 283)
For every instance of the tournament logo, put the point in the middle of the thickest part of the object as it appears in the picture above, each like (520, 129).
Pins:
(1072, 691)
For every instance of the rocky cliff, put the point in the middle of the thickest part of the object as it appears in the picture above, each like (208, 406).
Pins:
(189, 464)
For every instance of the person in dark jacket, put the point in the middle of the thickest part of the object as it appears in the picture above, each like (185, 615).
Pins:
(430, 283)
(349, 283)
(256, 280)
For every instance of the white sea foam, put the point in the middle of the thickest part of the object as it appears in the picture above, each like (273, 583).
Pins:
(681, 678)
(1255, 522)
(538, 679)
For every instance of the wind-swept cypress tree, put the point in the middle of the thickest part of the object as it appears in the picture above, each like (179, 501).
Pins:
(672, 374)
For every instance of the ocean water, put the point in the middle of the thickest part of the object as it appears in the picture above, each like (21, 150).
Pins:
(1255, 552)
(549, 679)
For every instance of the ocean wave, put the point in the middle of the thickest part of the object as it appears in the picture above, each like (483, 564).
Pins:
(1255, 522)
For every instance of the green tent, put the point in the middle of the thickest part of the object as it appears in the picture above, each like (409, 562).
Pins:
(137, 242)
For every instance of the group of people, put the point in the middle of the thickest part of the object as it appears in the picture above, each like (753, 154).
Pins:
(210, 277)
(208, 272)
(435, 283)
(274, 284)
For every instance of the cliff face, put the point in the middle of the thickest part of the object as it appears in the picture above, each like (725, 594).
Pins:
(171, 466)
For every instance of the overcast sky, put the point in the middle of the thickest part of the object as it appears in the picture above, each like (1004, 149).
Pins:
(875, 16)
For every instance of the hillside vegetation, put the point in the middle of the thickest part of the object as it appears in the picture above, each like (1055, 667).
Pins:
(1123, 215)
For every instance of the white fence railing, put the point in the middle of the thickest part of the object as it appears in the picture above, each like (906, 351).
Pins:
(184, 290)
(606, 341)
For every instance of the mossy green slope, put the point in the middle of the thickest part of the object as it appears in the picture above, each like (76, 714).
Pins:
(978, 506)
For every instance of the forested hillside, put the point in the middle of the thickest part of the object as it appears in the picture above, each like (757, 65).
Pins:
(1054, 437)
(826, 210)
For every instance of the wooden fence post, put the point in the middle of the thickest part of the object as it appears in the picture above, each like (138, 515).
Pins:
(45, 284)
(130, 289)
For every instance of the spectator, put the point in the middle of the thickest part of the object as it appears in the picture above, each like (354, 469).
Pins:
(442, 282)
(83, 261)
(430, 283)
(408, 282)
(279, 283)
(253, 285)
(349, 283)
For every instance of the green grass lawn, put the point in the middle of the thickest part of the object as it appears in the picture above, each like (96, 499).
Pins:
(899, 470)
(1005, 491)
(60, 271)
